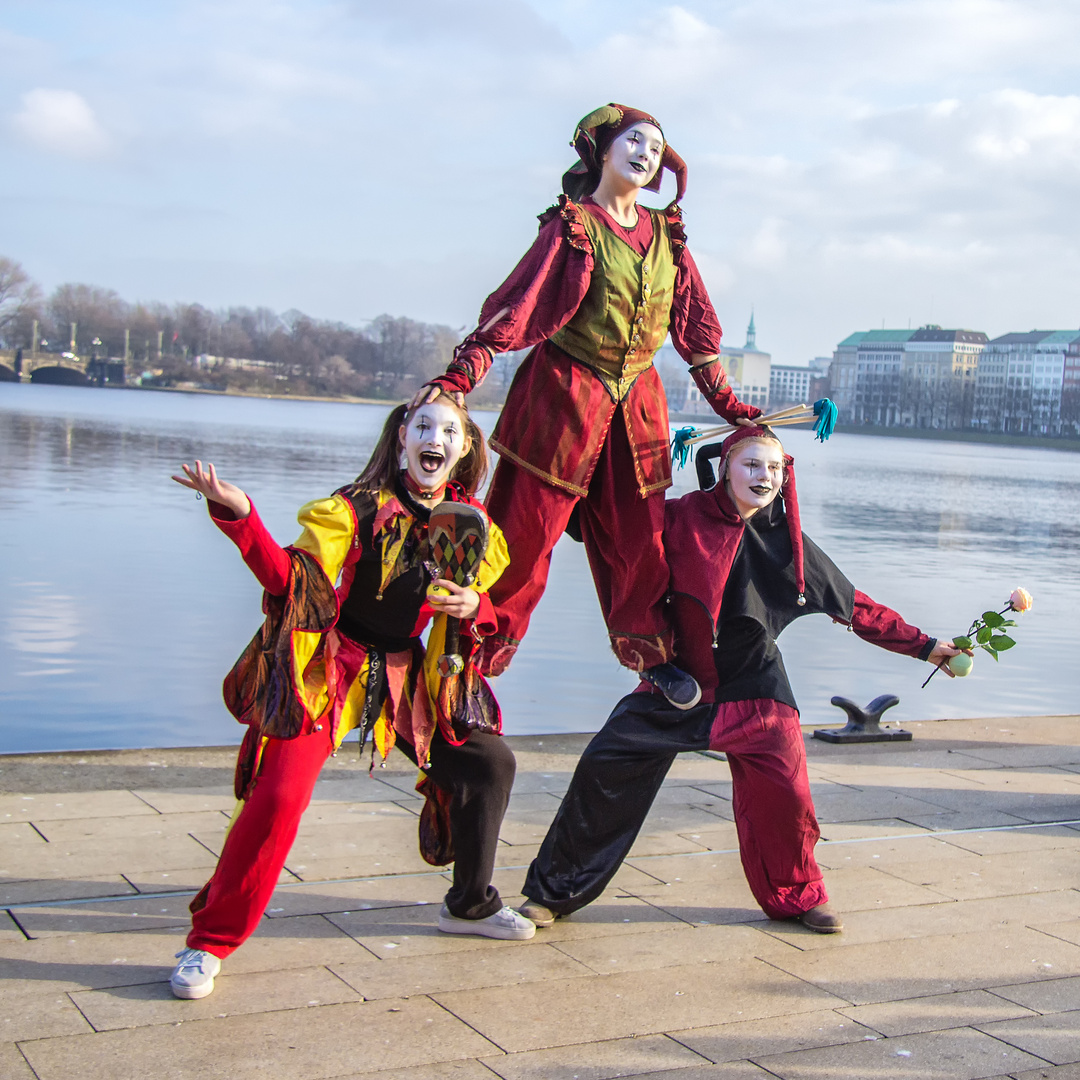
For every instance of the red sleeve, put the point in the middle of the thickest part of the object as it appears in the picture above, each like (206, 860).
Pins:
(541, 294)
(882, 626)
(483, 624)
(265, 557)
(694, 325)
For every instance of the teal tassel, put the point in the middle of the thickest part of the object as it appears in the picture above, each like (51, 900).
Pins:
(826, 413)
(681, 452)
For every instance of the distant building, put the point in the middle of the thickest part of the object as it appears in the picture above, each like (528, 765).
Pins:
(788, 385)
(747, 371)
(923, 378)
(1030, 383)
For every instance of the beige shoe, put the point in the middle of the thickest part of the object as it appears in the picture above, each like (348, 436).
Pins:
(537, 914)
(822, 920)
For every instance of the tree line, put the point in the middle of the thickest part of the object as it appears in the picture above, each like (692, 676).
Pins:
(287, 353)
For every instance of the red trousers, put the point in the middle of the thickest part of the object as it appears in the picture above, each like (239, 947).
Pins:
(479, 775)
(622, 769)
(623, 538)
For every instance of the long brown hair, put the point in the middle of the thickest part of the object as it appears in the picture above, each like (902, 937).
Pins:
(384, 467)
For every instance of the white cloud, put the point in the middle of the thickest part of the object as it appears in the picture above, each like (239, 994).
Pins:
(60, 122)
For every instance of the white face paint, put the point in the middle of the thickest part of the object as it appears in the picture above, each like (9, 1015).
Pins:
(434, 441)
(755, 472)
(635, 155)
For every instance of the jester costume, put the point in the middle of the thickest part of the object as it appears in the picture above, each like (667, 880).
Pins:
(329, 660)
(735, 585)
(585, 424)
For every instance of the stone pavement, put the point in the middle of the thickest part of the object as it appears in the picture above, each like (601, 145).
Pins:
(954, 858)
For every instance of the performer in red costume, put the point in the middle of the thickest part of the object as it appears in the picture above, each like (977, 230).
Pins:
(329, 660)
(585, 423)
(741, 570)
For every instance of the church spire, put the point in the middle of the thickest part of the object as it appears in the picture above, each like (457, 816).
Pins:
(751, 334)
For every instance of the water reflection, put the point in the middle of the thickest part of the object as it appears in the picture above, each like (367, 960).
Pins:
(124, 607)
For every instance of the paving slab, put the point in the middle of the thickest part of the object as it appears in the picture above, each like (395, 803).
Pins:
(473, 969)
(48, 889)
(968, 1008)
(234, 995)
(920, 967)
(1053, 995)
(1007, 874)
(105, 916)
(947, 917)
(40, 1016)
(1055, 1037)
(83, 804)
(358, 895)
(753, 1038)
(444, 1070)
(961, 1054)
(13, 1065)
(684, 945)
(648, 1056)
(302, 1044)
(565, 1011)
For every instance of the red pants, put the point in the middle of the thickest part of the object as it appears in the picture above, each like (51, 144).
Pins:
(479, 774)
(622, 534)
(622, 769)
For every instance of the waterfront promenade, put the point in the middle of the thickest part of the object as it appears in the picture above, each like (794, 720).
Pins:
(955, 860)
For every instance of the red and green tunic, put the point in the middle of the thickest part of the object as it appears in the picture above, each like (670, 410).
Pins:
(596, 300)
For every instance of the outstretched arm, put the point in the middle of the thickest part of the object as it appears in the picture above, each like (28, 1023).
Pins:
(885, 628)
(232, 512)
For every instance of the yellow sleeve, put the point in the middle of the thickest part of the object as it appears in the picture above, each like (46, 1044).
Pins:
(328, 532)
(495, 561)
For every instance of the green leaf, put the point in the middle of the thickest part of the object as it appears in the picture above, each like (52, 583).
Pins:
(1008, 622)
(992, 619)
(1001, 643)
(984, 635)
(962, 642)
(987, 649)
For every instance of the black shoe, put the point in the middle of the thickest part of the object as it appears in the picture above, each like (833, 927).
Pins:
(680, 689)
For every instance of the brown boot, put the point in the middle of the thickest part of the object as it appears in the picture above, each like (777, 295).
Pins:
(537, 914)
(822, 920)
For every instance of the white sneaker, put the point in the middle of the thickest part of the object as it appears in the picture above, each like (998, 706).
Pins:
(193, 977)
(506, 924)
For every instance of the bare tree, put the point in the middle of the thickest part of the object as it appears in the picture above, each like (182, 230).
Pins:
(20, 303)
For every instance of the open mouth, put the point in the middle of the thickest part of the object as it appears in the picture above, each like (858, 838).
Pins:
(761, 489)
(430, 462)
(637, 166)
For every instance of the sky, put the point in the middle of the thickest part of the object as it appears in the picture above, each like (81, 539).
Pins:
(852, 163)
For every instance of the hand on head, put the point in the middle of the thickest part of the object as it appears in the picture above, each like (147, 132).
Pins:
(428, 393)
(208, 484)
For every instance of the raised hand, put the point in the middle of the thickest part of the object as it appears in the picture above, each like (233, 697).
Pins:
(208, 484)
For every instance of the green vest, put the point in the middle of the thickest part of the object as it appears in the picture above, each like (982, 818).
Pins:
(624, 317)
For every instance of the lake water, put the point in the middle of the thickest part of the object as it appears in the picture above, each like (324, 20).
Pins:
(123, 607)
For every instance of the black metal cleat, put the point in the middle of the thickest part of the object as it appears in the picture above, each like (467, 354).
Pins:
(864, 724)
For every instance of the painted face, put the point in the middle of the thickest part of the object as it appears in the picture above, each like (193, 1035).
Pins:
(635, 155)
(434, 441)
(755, 472)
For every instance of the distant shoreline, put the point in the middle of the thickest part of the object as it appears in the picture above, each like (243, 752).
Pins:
(992, 438)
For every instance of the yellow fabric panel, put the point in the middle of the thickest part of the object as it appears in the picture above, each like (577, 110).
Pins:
(354, 704)
(328, 532)
(311, 684)
(495, 561)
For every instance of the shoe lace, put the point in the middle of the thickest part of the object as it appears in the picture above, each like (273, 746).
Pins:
(191, 959)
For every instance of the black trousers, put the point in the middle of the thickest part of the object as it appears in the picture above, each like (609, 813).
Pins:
(622, 769)
(613, 788)
(478, 775)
